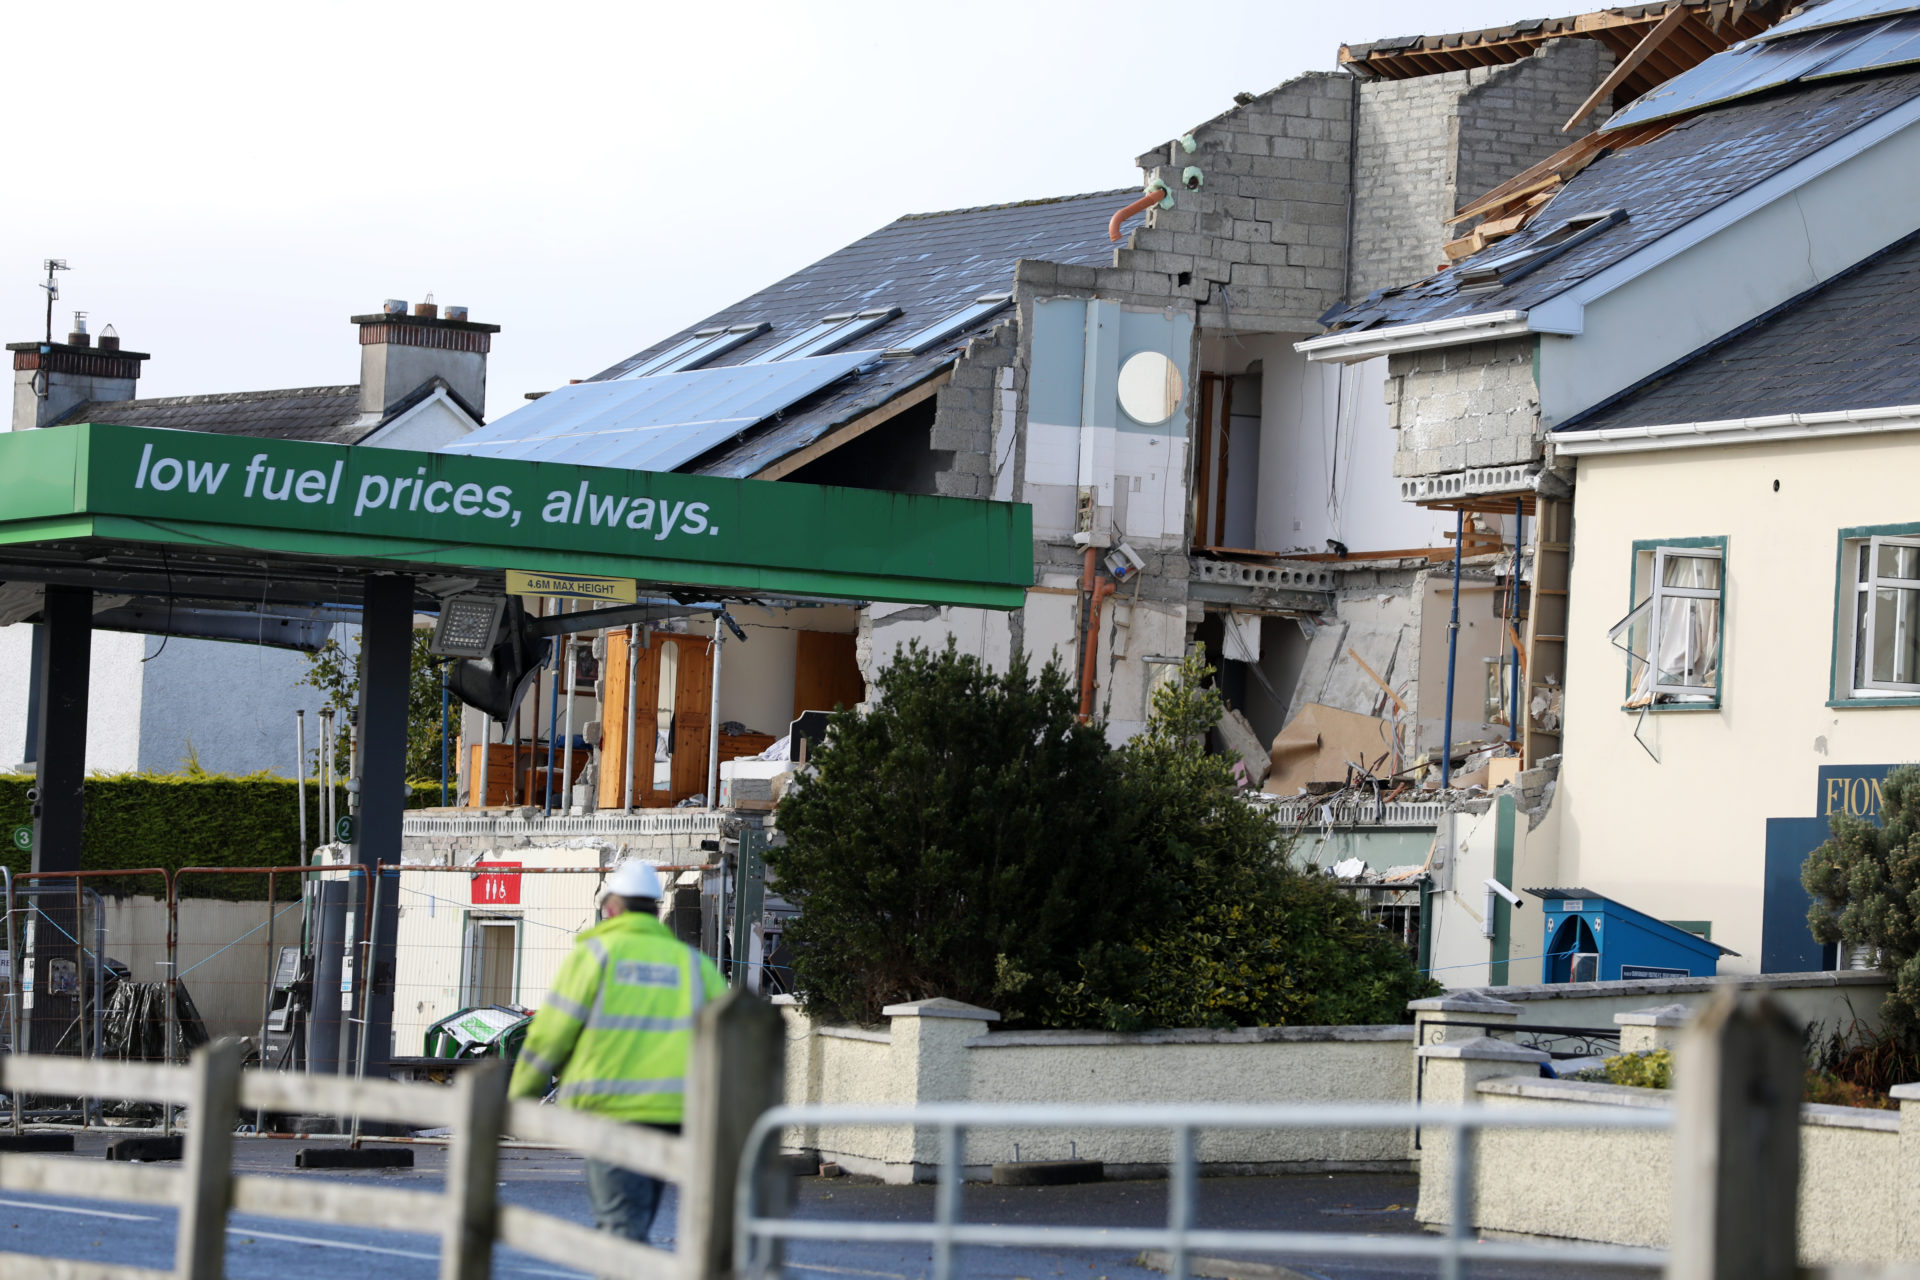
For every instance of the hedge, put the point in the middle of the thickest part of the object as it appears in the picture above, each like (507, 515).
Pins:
(180, 820)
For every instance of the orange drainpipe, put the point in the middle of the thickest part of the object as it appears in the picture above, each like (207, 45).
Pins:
(1141, 205)
(1101, 590)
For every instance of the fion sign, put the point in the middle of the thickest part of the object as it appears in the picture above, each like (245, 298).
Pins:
(501, 888)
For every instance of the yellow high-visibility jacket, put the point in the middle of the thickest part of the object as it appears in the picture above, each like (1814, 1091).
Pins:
(617, 1024)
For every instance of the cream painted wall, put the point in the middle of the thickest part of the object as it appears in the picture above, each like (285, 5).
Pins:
(1460, 951)
(1568, 1184)
(1684, 837)
(947, 1056)
(756, 678)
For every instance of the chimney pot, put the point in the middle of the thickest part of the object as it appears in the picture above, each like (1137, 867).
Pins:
(80, 339)
(425, 311)
(109, 341)
(394, 306)
(455, 313)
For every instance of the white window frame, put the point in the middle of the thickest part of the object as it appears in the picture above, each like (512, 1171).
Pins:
(1860, 665)
(1661, 695)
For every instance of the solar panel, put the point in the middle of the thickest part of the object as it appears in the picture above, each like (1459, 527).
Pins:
(1749, 67)
(1836, 13)
(655, 423)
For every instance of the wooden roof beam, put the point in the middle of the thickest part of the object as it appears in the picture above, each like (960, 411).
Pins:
(1698, 40)
(1665, 28)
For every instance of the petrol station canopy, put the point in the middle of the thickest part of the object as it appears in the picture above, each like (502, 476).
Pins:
(188, 517)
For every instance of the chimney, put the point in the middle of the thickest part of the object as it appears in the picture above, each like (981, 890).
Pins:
(400, 353)
(51, 379)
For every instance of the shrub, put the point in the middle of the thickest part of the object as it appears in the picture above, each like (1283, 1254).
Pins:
(1650, 1070)
(334, 670)
(1865, 883)
(1862, 1063)
(172, 821)
(964, 838)
(968, 838)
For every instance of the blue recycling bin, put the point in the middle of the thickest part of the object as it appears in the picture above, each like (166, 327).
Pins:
(1592, 938)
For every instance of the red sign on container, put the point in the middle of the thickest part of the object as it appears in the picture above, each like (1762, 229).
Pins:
(500, 889)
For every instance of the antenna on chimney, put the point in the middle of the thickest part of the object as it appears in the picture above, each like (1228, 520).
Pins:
(52, 286)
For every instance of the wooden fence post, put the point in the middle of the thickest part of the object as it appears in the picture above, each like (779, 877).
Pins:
(206, 1188)
(1738, 1079)
(737, 1071)
(473, 1159)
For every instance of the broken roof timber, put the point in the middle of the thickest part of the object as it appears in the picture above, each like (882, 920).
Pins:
(1707, 27)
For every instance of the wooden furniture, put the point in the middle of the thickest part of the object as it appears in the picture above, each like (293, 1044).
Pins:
(692, 703)
(734, 746)
(516, 774)
(826, 672)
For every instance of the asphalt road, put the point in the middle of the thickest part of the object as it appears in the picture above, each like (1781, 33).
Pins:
(272, 1249)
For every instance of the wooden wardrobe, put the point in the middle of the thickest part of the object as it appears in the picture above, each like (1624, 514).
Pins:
(690, 661)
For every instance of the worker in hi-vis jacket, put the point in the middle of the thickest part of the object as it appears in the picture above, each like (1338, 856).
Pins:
(616, 1029)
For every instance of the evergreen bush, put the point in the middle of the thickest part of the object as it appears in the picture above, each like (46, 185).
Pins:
(961, 839)
(1865, 883)
(969, 838)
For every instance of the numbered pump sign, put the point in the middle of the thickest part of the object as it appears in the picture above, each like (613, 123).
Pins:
(496, 884)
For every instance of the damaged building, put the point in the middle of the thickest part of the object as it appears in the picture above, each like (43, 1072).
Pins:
(1125, 363)
(1616, 332)
(1149, 371)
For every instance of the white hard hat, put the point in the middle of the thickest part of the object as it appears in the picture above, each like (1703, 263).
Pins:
(634, 879)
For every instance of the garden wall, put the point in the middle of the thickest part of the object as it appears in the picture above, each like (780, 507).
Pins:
(1615, 1186)
(945, 1051)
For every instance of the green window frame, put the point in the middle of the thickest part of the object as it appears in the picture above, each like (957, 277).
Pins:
(1674, 633)
(1876, 617)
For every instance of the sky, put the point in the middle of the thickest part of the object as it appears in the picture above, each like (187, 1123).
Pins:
(230, 182)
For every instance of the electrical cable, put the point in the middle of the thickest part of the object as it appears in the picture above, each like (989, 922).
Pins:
(168, 633)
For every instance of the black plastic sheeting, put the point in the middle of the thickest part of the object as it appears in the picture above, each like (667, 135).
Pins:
(136, 1023)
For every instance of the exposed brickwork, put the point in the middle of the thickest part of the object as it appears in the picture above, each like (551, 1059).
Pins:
(1268, 226)
(1459, 407)
(1428, 145)
(1511, 120)
(966, 415)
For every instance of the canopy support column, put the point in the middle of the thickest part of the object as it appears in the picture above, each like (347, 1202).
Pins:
(386, 655)
(60, 701)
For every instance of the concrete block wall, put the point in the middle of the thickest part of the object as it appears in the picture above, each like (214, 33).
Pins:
(1459, 407)
(1428, 145)
(968, 413)
(1268, 226)
(1510, 121)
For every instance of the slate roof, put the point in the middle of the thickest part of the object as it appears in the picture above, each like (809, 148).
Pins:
(1851, 343)
(1662, 185)
(324, 415)
(930, 266)
(329, 415)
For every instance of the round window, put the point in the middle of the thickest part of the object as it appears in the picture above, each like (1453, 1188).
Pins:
(1149, 388)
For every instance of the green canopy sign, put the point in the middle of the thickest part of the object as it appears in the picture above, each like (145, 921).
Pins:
(142, 484)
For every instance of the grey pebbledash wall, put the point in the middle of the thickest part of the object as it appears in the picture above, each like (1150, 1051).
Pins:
(1428, 145)
(1458, 407)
